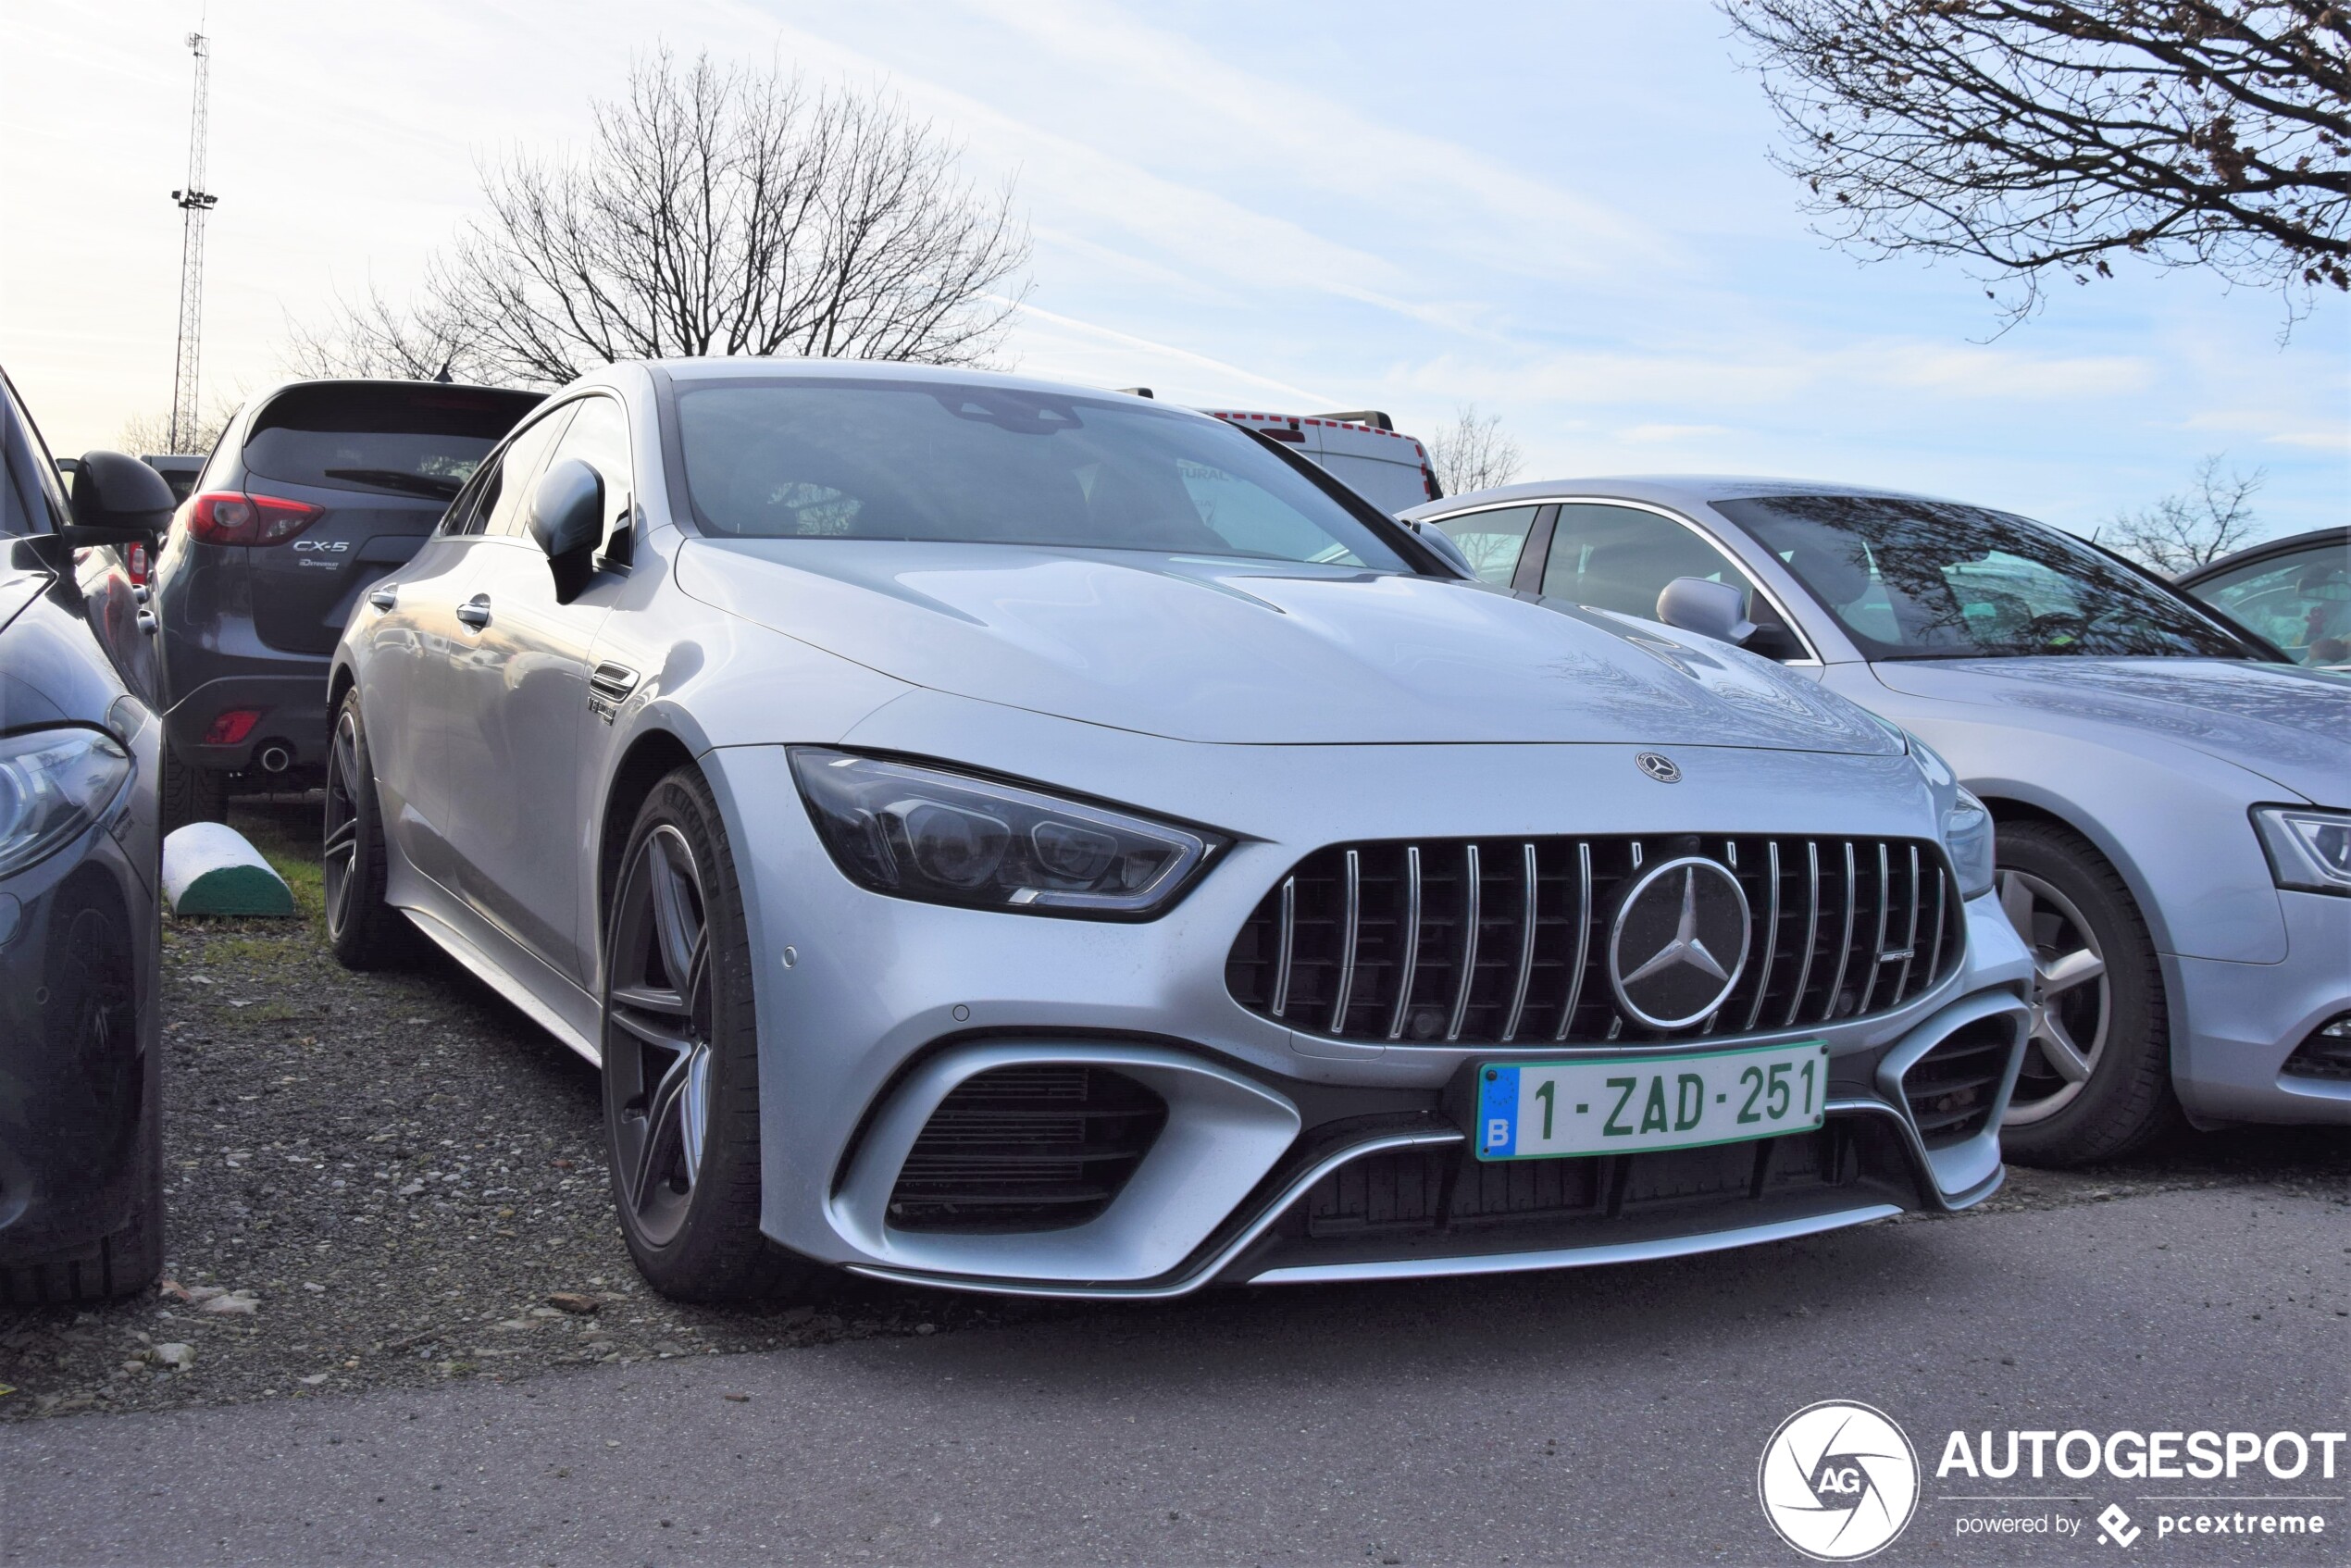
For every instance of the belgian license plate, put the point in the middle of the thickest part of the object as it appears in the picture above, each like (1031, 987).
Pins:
(1609, 1106)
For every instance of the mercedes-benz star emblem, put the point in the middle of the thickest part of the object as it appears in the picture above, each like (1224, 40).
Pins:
(1658, 766)
(1678, 943)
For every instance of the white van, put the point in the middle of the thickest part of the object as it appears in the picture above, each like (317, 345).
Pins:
(1363, 449)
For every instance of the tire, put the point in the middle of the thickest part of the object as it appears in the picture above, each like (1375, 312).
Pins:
(2098, 995)
(123, 1264)
(365, 932)
(90, 981)
(681, 1062)
(192, 795)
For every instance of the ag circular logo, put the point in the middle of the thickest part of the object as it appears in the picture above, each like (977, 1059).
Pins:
(1838, 1480)
(1678, 943)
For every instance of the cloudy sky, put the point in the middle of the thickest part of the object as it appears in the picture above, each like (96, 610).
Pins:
(1561, 212)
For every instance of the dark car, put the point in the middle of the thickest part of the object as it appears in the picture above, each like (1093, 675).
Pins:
(80, 1130)
(317, 490)
(2296, 592)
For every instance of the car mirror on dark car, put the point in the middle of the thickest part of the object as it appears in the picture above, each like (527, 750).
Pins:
(566, 518)
(117, 500)
(1709, 608)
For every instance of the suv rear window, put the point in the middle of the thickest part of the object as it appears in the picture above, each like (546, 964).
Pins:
(423, 440)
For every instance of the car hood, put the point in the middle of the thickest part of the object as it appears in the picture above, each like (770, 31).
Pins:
(1261, 652)
(2291, 726)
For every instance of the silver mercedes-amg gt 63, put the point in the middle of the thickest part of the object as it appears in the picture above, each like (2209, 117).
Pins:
(1004, 836)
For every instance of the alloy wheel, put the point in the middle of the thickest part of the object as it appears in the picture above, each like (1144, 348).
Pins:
(341, 855)
(657, 1018)
(2070, 1000)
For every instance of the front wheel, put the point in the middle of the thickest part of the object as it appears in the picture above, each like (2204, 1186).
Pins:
(2096, 1079)
(681, 1060)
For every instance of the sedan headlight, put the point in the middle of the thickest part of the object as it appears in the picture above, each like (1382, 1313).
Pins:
(948, 837)
(1967, 837)
(2309, 849)
(53, 784)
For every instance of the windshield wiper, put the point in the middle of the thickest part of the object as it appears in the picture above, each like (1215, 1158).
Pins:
(396, 478)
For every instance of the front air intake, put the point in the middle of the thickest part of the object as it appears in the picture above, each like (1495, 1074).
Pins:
(1951, 1089)
(1040, 1146)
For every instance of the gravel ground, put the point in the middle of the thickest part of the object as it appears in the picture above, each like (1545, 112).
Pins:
(396, 1179)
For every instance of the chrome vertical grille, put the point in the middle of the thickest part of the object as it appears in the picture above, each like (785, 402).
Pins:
(1500, 941)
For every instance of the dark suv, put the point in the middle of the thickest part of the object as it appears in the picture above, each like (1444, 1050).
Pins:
(317, 490)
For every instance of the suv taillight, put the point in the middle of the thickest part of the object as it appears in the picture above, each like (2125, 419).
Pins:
(229, 517)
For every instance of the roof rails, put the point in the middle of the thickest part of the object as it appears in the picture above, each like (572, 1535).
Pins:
(1371, 417)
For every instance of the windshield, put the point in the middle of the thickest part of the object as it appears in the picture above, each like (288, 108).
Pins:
(843, 459)
(423, 440)
(1929, 580)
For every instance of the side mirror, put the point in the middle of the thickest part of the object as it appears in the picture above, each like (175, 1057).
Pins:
(117, 500)
(566, 518)
(1710, 609)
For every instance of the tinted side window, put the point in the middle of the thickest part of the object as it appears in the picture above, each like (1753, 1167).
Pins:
(1493, 541)
(2302, 602)
(1621, 558)
(35, 501)
(503, 499)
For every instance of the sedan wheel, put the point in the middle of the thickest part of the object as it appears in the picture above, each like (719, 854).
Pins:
(2095, 1081)
(681, 1041)
(657, 1034)
(2069, 999)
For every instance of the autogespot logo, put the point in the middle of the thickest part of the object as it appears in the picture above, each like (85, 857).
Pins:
(1838, 1480)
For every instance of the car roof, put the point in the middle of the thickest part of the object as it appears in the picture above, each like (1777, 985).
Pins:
(2292, 544)
(1680, 490)
(753, 368)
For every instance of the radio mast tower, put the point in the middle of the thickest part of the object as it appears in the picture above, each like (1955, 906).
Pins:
(194, 201)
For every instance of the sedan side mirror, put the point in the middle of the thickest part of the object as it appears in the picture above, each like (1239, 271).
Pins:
(117, 500)
(1710, 609)
(566, 518)
(1443, 543)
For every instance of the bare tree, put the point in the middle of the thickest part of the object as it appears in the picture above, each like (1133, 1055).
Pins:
(150, 434)
(376, 339)
(2202, 523)
(1472, 453)
(714, 211)
(2049, 138)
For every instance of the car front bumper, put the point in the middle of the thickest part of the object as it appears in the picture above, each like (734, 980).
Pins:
(883, 1005)
(2239, 1025)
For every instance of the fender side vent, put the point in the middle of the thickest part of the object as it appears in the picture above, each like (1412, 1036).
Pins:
(1042, 1147)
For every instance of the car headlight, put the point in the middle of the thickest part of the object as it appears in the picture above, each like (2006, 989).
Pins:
(1966, 837)
(948, 837)
(53, 784)
(2309, 849)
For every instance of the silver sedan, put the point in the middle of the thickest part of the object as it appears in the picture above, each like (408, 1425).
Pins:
(2174, 842)
(1006, 836)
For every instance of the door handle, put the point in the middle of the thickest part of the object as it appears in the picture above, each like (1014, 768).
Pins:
(475, 612)
(384, 598)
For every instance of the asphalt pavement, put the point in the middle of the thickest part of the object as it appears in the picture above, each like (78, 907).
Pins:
(1603, 1416)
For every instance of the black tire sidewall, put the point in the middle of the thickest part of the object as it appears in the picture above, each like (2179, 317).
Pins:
(377, 934)
(718, 1253)
(2128, 1099)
